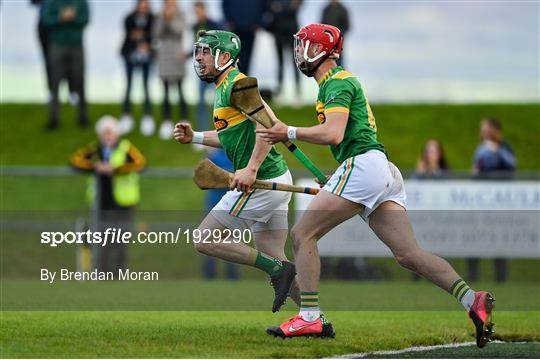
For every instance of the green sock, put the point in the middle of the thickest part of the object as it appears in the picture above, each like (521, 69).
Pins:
(267, 264)
(309, 300)
(459, 289)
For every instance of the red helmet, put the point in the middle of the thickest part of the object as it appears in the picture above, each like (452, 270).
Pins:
(328, 36)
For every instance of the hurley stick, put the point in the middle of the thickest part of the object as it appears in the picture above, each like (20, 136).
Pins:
(208, 175)
(245, 97)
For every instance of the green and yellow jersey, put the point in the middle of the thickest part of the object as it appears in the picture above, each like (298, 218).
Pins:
(237, 133)
(340, 91)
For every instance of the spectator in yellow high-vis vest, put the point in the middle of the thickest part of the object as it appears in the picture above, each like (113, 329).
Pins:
(113, 189)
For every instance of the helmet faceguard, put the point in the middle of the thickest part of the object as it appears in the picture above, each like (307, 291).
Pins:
(326, 37)
(211, 44)
(200, 66)
(306, 64)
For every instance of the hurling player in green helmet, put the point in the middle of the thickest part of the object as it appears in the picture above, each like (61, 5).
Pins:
(218, 43)
(264, 212)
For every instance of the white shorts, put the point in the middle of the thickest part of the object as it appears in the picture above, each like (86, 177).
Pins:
(368, 179)
(258, 210)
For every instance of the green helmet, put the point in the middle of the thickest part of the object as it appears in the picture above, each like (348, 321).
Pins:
(218, 41)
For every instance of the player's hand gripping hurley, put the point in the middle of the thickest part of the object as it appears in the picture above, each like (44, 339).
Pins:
(245, 97)
(208, 175)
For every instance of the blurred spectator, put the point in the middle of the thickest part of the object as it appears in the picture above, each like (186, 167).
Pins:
(43, 36)
(114, 188)
(283, 24)
(65, 21)
(137, 54)
(493, 159)
(203, 23)
(432, 163)
(351, 268)
(219, 157)
(167, 34)
(336, 14)
(243, 18)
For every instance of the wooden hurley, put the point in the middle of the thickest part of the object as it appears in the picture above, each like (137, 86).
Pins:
(208, 175)
(245, 97)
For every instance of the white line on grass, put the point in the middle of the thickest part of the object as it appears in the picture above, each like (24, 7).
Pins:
(406, 350)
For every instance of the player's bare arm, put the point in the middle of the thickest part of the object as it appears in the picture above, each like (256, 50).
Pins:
(184, 134)
(244, 178)
(330, 132)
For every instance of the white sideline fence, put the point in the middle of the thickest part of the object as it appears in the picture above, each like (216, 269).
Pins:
(452, 218)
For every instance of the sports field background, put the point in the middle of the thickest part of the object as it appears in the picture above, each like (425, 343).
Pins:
(402, 128)
(183, 316)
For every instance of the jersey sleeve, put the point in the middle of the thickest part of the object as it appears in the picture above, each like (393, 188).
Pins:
(339, 96)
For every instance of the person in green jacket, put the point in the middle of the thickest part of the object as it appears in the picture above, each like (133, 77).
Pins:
(66, 20)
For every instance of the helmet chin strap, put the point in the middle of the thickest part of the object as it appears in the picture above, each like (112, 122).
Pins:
(317, 57)
(310, 60)
(220, 69)
(224, 67)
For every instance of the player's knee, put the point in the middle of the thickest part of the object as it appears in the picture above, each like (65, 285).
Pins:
(300, 235)
(407, 259)
(296, 235)
(204, 248)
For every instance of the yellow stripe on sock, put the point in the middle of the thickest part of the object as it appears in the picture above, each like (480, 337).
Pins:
(459, 288)
(455, 285)
(462, 292)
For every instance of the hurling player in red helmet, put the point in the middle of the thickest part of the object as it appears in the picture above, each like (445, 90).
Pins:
(314, 44)
(364, 184)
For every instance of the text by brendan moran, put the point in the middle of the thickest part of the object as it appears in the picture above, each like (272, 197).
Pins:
(95, 275)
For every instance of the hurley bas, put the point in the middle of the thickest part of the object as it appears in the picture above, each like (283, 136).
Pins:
(95, 275)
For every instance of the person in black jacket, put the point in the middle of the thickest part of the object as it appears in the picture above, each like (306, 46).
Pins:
(336, 14)
(283, 23)
(244, 19)
(137, 53)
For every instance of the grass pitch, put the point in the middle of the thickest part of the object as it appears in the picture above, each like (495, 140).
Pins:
(400, 315)
(247, 295)
(241, 334)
